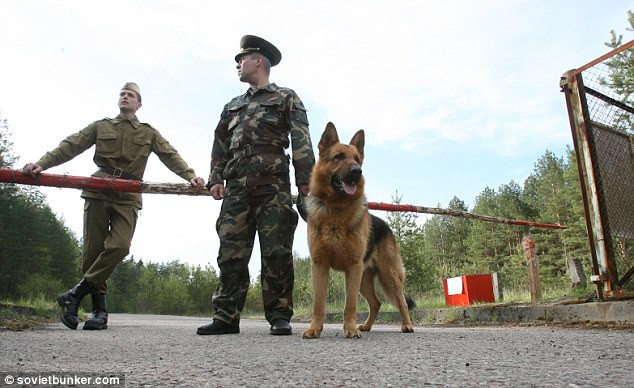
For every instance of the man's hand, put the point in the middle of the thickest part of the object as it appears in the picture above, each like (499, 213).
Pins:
(304, 189)
(31, 169)
(198, 183)
(217, 191)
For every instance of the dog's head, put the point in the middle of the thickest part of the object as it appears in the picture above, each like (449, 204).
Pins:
(339, 167)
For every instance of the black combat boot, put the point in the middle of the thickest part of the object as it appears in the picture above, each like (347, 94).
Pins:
(281, 326)
(217, 327)
(99, 319)
(69, 302)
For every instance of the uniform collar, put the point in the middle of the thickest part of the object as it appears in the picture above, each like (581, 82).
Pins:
(269, 88)
(135, 121)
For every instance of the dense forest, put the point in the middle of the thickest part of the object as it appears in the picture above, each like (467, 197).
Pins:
(39, 255)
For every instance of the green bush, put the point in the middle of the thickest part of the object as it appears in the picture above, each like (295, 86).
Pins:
(38, 285)
(254, 305)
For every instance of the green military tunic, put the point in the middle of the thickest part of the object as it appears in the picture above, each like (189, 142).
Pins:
(265, 117)
(248, 157)
(110, 216)
(122, 144)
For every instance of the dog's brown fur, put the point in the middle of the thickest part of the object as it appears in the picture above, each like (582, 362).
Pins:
(344, 236)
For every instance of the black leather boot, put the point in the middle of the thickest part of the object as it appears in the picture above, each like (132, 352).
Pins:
(218, 327)
(99, 319)
(281, 327)
(69, 302)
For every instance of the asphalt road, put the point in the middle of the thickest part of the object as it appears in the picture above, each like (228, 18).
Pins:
(151, 350)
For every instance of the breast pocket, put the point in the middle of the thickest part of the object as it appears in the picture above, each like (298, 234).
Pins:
(233, 116)
(270, 113)
(141, 146)
(107, 143)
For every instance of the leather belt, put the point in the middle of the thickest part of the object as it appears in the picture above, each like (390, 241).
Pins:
(249, 150)
(118, 173)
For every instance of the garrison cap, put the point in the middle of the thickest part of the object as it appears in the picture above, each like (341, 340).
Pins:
(254, 44)
(132, 86)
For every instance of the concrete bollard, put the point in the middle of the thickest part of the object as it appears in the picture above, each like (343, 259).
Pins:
(497, 286)
(575, 270)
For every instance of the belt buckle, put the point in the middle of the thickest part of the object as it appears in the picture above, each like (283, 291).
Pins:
(247, 150)
(116, 172)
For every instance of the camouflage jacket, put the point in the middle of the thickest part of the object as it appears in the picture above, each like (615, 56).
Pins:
(123, 144)
(251, 127)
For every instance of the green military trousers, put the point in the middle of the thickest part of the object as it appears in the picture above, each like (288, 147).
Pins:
(108, 231)
(267, 209)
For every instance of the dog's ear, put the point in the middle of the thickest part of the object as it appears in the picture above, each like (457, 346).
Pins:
(358, 140)
(328, 138)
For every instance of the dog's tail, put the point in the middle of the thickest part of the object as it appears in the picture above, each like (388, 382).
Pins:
(410, 302)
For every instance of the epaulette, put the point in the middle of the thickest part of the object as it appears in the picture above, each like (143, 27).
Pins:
(236, 101)
(285, 89)
(111, 120)
(148, 124)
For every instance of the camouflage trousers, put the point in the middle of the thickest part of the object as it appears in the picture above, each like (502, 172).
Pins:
(267, 209)
(108, 231)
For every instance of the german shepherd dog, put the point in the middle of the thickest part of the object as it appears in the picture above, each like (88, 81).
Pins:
(344, 236)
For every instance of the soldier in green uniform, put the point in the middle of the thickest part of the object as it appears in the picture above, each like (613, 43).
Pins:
(250, 172)
(123, 145)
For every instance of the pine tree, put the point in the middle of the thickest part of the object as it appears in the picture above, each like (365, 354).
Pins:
(622, 66)
(409, 237)
(34, 243)
(620, 78)
(575, 236)
(484, 243)
(545, 190)
(7, 158)
(496, 247)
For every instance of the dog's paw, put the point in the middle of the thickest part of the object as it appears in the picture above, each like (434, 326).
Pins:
(352, 333)
(311, 333)
(407, 329)
(363, 327)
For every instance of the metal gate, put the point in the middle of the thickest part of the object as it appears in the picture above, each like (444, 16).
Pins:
(603, 135)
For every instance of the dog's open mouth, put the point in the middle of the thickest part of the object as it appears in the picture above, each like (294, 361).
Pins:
(348, 187)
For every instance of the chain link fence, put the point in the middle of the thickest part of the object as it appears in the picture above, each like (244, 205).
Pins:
(602, 121)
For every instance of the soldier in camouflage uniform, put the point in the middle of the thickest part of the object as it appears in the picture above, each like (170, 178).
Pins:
(123, 145)
(250, 172)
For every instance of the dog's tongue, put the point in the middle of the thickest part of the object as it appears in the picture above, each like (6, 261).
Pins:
(349, 188)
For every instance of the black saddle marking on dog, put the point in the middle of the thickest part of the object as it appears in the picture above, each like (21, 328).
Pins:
(380, 230)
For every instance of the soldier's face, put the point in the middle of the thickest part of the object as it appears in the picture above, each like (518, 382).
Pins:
(246, 67)
(128, 101)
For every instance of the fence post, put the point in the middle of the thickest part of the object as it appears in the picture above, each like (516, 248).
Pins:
(533, 269)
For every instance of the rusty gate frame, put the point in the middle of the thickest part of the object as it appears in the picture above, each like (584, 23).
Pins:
(604, 269)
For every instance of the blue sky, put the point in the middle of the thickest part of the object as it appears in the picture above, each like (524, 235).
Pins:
(453, 96)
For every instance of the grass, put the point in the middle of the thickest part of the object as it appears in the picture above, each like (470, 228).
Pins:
(40, 305)
(431, 302)
(548, 294)
(437, 301)
(35, 311)
(25, 313)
